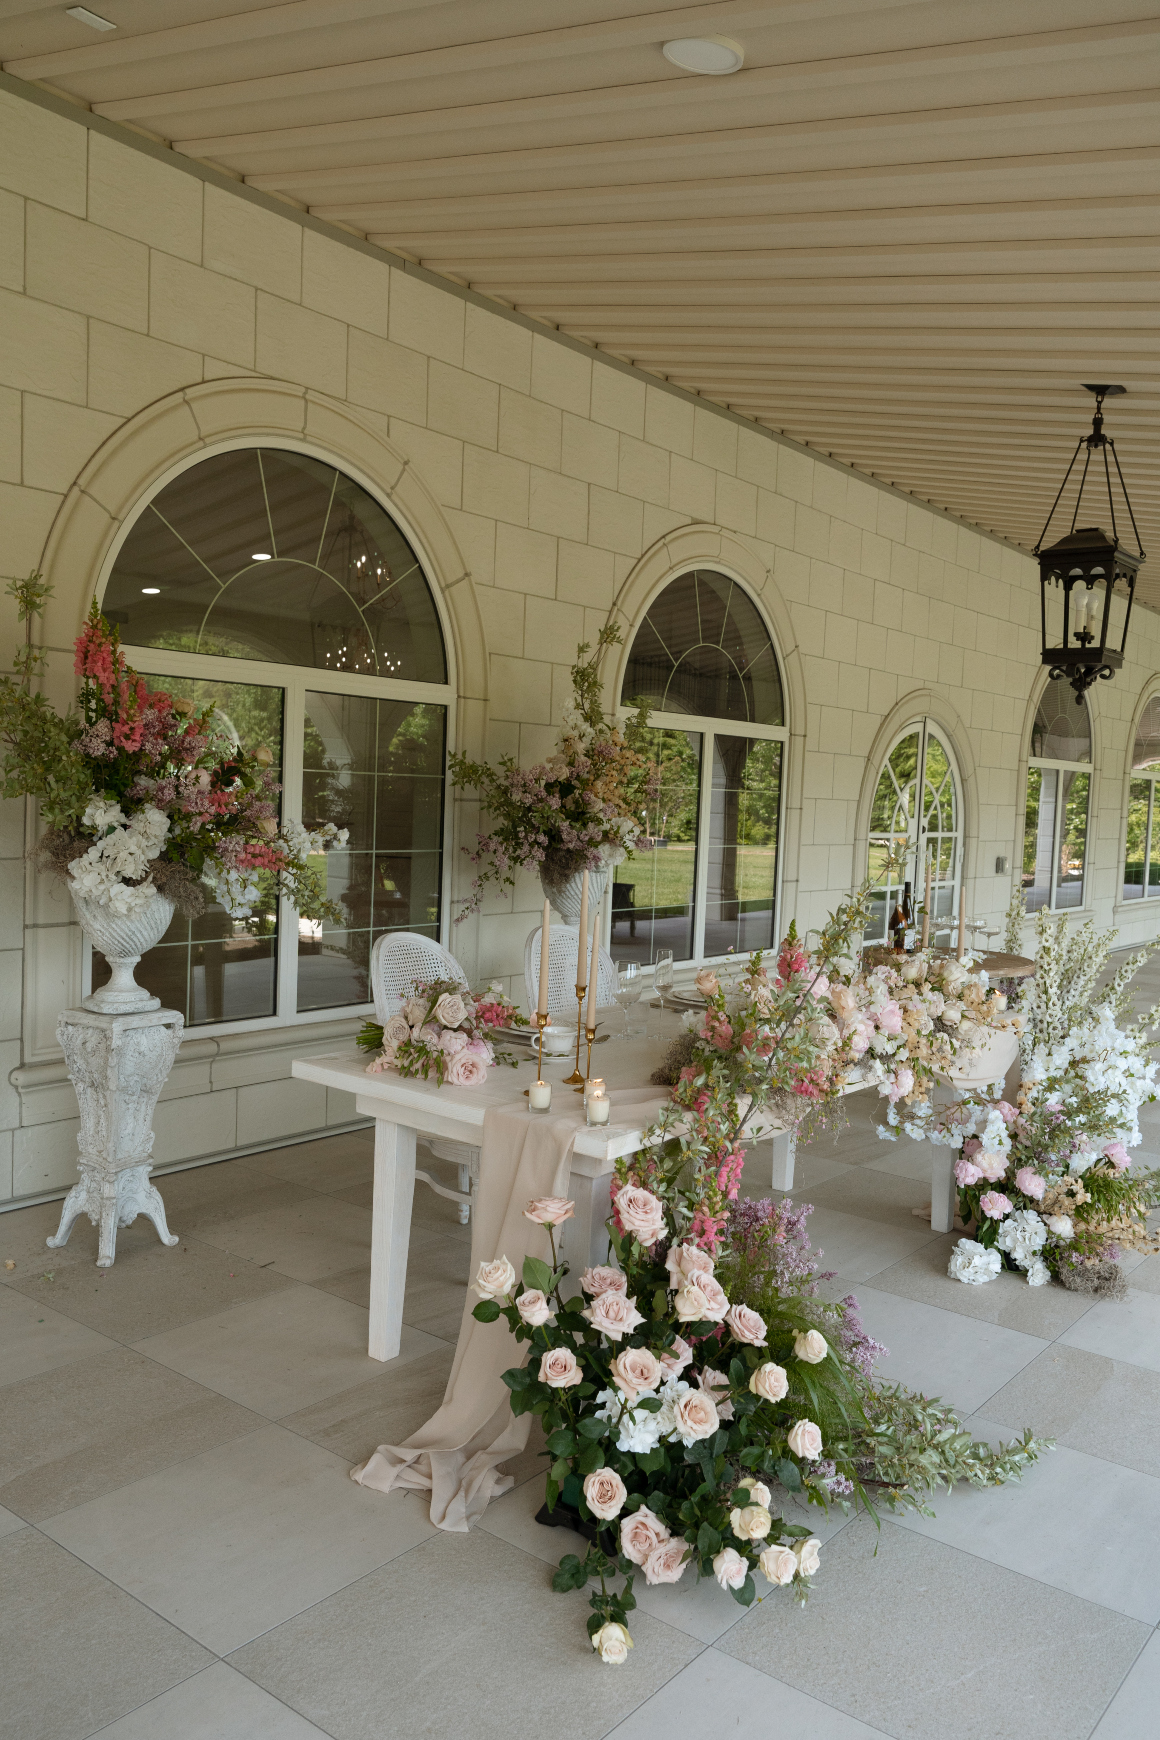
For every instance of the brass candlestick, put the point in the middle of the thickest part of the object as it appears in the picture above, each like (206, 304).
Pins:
(541, 1022)
(570, 1080)
(590, 1035)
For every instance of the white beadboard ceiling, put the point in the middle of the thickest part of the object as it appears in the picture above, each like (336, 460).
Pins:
(903, 233)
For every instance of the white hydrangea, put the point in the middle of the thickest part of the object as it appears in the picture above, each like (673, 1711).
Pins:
(112, 869)
(101, 814)
(640, 1431)
(973, 1263)
(1038, 1273)
(1022, 1235)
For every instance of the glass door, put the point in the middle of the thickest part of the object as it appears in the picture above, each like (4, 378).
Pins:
(915, 818)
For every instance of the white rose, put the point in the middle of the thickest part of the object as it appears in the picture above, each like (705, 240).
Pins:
(729, 1568)
(752, 1523)
(812, 1347)
(450, 1010)
(495, 1280)
(805, 1440)
(701, 1299)
(769, 1382)
(778, 1564)
(395, 1031)
(807, 1556)
(759, 1493)
(612, 1643)
(695, 1416)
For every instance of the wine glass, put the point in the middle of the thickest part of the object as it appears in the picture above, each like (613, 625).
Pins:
(663, 974)
(628, 989)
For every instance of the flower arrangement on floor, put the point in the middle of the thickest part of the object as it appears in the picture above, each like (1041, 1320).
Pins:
(443, 1031)
(582, 808)
(145, 795)
(700, 1372)
(1047, 1183)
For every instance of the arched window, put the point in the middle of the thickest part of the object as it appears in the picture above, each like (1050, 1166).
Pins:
(1142, 848)
(704, 661)
(915, 819)
(1058, 790)
(270, 583)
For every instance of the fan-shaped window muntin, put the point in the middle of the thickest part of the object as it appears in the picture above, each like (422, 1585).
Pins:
(704, 660)
(1142, 837)
(915, 818)
(1055, 819)
(359, 728)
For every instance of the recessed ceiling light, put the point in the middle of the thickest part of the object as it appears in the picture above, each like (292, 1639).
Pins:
(260, 556)
(151, 590)
(84, 16)
(705, 54)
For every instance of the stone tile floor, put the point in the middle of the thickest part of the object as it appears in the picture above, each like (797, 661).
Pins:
(183, 1556)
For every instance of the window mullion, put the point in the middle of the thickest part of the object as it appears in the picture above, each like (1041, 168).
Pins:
(1147, 832)
(293, 727)
(704, 822)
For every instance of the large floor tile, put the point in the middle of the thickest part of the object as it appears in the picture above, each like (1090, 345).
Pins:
(281, 1354)
(384, 1410)
(216, 1704)
(859, 1248)
(78, 1652)
(928, 1643)
(35, 1339)
(715, 1695)
(238, 1539)
(1127, 1329)
(202, 1195)
(941, 1353)
(336, 1163)
(1101, 1406)
(80, 1431)
(1132, 1713)
(462, 1637)
(1105, 1551)
(151, 1288)
(9, 1523)
(1043, 1311)
(308, 1238)
(874, 1196)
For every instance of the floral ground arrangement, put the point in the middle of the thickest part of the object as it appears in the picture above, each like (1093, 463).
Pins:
(445, 1032)
(699, 1379)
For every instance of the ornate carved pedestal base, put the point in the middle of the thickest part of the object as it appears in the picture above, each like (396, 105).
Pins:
(118, 1065)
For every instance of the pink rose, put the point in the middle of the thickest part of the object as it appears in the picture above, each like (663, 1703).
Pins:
(746, 1326)
(901, 1085)
(604, 1493)
(1007, 1112)
(666, 1563)
(967, 1173)
(395, 1032)
(533, 1307)
(769, 1382)
(695, 1416)
(641, 1213)
(860, 1037)
(466, 1071)
(450, 1010)
(778, 1564)
(716, 1384)
(613, 1315)
(479, 1048)
(677, 1357)
(701, 1299)
(685, 1261)
(707, 982)
(994, 1204)
(604, 1280)
(453, 1042)
(413, 1010)
(549, 1210)
(730, 1569)
(641, 1534)
(972, 1145)
(559, 1369)
(1030, 1183)
(992, 1166)
(636, 1370)
(805, 1440)
(1118, 1155)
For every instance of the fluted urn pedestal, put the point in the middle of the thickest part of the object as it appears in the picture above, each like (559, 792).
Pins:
(118, 1064)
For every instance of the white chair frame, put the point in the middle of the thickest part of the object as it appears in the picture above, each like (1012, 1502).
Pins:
(563, 943)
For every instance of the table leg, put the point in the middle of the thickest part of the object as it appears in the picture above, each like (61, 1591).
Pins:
(943, 1189)
(584, 1239)
(390, 1235)
(784, 1146)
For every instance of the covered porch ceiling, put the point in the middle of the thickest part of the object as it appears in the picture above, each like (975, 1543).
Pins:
(902, 233)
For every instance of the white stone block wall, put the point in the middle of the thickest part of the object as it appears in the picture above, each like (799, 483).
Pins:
(556, 480)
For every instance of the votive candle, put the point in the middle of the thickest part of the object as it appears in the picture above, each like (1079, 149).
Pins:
(598, 1107)
(540, 1096)
(594, 1085)
(542, 1005)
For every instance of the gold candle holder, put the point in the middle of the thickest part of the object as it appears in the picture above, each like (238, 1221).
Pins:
(541, 1022)
(571, 1080)
(590, 1035)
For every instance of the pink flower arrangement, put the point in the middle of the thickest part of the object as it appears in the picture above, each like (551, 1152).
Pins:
(440, 1033)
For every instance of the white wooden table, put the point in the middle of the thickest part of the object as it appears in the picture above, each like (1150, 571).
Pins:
(403, 1109)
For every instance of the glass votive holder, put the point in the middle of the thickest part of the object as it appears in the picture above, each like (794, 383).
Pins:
(597, 1108)
(540, 1096)
(594, 1085)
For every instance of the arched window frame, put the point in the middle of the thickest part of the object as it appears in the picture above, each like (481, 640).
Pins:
(295, 681)
(709, 728)
(1141, 788)
(947, 879)
(1046, 765)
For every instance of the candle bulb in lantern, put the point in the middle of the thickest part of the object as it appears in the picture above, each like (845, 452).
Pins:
(582, 939)
(594, 964)
(542, 1005)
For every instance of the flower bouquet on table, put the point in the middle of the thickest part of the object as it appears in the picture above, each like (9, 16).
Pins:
(581, 809)
(443, 1031)
(145, 795)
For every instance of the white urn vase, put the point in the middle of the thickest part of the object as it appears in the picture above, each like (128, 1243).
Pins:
(987, 1063)
(123, 938)
(564, 891)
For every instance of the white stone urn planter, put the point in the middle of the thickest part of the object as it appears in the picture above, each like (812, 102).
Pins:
(988, 1063)
(123, 938)
(564, 892)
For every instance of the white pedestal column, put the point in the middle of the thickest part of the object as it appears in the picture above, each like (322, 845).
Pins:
(118, 1065)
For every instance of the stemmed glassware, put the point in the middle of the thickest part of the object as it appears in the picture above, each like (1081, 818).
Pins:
(628, 989)
(663, 974)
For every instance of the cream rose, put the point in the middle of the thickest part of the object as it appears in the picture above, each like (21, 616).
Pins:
(395, 1031)
(613, 1315)
(450, 1011)
(605, 1493)
(769, 1382)
(612, 1643)
(495, 1280)
(636, 1370)
(685, 1261)
(805, 1440)
(808, 1556)
(730, 1569)
(641, 1534)
(746, 1326)
(666, 1563)
(413, 1011)
(677, 1357)
(778, 1564)
(758, 1492)
(466, 1071)
(533, 1307)
(716, 1384)
(604, 1280)
(707, 982)
(641, 1213)
(559, 1369)
(752, 1523)
(695, 1416)
(701, 1300)
(549, 1210)
(811, 1347)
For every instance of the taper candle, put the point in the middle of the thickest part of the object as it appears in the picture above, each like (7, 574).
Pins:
(593, 973)
(962, 949)
(926, 905)
(582, 939)
(542, 1005)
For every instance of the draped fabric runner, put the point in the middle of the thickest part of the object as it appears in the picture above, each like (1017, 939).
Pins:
(456, 1455)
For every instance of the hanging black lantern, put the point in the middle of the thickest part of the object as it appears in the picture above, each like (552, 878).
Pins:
(1083, 570)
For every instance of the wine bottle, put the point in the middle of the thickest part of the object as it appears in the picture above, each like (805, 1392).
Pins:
(898, 928)
(908, 939)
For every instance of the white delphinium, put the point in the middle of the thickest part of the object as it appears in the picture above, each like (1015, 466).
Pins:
(237, 891)
(307, 843)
